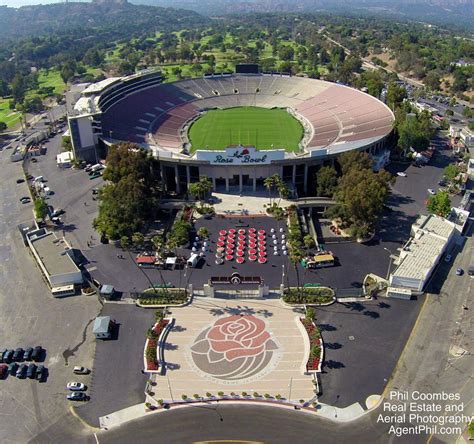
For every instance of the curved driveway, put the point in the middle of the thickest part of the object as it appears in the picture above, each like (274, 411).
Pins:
(253, 423)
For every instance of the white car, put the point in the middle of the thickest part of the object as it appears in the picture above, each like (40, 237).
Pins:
(75, 386)
(402, 174)
(430, 191)
(78, 370)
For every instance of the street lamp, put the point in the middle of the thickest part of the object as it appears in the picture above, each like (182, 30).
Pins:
(389, 263)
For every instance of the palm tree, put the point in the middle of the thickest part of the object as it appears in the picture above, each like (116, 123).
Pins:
(269, 183)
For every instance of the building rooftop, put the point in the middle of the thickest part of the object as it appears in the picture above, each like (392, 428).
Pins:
(101, 324)
(95, 88)
(53, 254)
(422, 252)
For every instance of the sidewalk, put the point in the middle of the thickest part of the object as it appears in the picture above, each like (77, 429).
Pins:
(336, 414)
(250, 203)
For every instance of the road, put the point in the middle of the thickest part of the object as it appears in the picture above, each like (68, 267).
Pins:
(440, 355)
(256, 424)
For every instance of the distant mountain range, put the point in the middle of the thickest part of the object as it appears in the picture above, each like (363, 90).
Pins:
(447, 12)
(115, 18)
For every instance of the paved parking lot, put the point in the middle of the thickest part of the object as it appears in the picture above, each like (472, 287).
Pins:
(118, 381)
(30, 316)
(363, 341)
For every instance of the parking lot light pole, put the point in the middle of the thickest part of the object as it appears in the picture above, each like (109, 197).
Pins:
(389, 263)
(283, 275)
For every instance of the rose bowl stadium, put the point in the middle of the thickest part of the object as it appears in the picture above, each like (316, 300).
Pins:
(237, 129)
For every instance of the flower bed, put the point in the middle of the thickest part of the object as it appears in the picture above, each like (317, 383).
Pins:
(150, 355)
(151, 346)
(315, 345)
(308, 295)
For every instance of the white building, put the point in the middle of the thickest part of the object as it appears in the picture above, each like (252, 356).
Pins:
(419, 257)
(64, 160)
(55, 259)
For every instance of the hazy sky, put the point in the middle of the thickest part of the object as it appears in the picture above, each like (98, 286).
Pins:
(17, 3)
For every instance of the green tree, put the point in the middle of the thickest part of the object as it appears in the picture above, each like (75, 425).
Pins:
(439, 204)
(179, 234)
(286, 53)
(451, 171)
(326, 179)
(467, 112)
(203, 232)
(395, 95)
(360, 195)
(308, 242)
(66, 143)
(41, 209)
(432, 81)
(125, 242)
(18, 87)
(67, 73)
(199, 190)
(33, 104)
(128, 200)
(138, 239)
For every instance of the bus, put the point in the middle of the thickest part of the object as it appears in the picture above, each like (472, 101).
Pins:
(325, 259)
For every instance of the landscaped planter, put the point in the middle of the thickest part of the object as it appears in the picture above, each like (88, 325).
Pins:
(151, 352)
(314, 362)
(309, 296)
(160, 298)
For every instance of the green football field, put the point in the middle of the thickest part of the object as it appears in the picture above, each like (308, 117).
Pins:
(263, 128)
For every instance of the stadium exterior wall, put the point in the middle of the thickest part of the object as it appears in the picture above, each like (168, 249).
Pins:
(237, 169)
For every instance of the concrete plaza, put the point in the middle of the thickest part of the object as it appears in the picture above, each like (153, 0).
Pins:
(280, 371)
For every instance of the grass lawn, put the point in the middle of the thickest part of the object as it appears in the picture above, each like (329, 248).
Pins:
(260, 127)
(52, 78)
(11, 118)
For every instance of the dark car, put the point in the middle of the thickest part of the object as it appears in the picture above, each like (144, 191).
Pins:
(37, 353)
(28, 353)
(31, 372)
(20, 180)
(77, 396)
(8, 356)
(40, 373)
(25, 200)
(2, 352)
(3, 370)
(18, 354)
(12, 368)
(21, 372)
(34, 160)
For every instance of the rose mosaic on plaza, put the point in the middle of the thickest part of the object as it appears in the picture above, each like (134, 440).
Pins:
(235, 348)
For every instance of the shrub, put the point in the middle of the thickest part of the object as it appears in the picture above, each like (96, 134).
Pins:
(244, 393)
(208, 395)
(221, 394)
(308, 295)
(302, 401)
(266, 395)
(278, 396)
(233, 394)
(196, 396)
(184, 397)
(256, 395)
(147, 405)
(160, 401)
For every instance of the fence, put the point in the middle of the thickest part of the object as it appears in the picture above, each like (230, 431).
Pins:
(349, 292)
